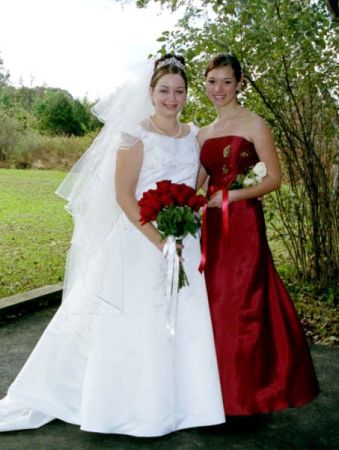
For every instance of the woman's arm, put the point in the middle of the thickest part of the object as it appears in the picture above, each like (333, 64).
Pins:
(128, 165)
(264, 145)
(202, 178)
(202, 174)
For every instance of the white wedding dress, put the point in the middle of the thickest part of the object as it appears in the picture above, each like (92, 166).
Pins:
(116, 368)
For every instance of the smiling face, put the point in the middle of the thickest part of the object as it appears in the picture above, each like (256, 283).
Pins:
(222, 86)
(169, 95)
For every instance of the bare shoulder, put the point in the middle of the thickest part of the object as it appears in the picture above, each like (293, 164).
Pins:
(186, 129)
(203, 135)
(256, 125)
(256, 121)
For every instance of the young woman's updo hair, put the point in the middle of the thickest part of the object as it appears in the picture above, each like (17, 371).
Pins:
(225, 60)
(168, 64)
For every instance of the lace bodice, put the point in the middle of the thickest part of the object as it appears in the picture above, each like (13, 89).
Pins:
(167, 158)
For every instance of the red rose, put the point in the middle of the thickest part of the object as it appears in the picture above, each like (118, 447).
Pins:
(188, 191)
(181, 193)
(147, 214)
(152, 193)
(155, 203)
(181, 199)
(167, 199)
(191, 202)
(201, 200)
(163, 186)
(196, 202)
(165, 195)
(175, 191)
(142, 202)
(149, 196)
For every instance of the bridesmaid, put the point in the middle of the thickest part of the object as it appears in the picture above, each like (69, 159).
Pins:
(264, 361)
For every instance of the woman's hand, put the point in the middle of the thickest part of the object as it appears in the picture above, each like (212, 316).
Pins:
(179, 247)
(233, 195)
(216, 199)
(161, 245)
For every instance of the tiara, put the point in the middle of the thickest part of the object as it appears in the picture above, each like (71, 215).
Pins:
(171, 61)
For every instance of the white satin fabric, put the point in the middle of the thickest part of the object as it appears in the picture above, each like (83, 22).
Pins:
(116, 368)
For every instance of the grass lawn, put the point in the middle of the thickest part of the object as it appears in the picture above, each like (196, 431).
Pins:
(35, 230)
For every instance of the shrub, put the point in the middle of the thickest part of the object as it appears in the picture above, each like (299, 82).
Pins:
(10, 132)
(49, 152)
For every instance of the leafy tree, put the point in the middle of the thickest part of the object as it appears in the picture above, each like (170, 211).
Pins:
(332, 5)
(59, 113)
(10, 131)
(56, 116)
(13, 104)
(287, 49)
(7, 96)
(4, 74)
(51, 110)
(82, 111)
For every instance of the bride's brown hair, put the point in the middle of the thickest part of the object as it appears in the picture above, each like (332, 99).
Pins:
(168, 64)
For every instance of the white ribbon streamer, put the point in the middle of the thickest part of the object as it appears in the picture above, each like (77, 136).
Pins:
(170, 253)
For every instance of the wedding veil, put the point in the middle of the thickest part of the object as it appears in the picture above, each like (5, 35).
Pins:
(89, 187)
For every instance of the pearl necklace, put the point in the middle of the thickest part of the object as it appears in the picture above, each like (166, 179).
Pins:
(163, 132)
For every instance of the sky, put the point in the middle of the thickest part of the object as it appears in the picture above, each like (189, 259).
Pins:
(82, 46)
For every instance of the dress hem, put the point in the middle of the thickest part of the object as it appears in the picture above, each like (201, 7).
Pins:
(282, 407)
(151, 435)
(24, 401)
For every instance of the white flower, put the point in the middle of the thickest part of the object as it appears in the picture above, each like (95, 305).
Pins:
(260, 170)
(253, 177)
(248, 181)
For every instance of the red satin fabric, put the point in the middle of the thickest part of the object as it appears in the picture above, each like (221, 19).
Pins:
(224, 211)
(263, 357)
(202, 264)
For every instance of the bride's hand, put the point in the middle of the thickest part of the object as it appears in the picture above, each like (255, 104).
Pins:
(161, 246)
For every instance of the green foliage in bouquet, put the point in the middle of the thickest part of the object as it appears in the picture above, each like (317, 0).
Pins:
(177, 221)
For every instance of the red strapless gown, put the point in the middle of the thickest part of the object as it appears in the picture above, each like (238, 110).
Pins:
(263, 356)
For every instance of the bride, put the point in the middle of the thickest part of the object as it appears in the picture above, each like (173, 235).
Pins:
(107, 361)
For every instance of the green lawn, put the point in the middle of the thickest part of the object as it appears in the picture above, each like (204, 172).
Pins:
(35, 230)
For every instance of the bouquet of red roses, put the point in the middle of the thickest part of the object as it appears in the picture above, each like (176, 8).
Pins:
(174, 207)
